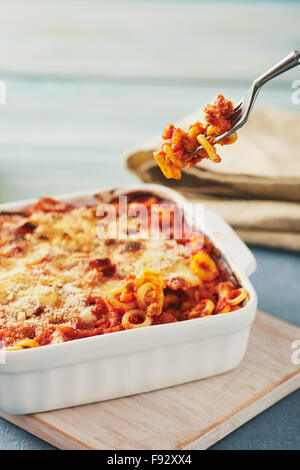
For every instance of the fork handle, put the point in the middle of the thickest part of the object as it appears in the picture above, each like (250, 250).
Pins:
(289, 62)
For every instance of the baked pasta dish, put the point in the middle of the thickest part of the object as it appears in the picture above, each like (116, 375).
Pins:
(60, 280)
(182, 149)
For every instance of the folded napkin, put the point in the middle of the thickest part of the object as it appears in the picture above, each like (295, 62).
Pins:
(256, 187)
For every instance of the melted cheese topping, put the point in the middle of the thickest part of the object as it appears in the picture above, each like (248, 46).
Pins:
(46, 276)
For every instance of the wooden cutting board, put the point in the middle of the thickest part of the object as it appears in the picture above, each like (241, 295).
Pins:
(189, 416)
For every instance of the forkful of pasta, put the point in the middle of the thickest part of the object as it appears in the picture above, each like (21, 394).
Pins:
(183, 150)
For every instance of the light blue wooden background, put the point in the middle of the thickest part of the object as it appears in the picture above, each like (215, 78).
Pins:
(87, 80)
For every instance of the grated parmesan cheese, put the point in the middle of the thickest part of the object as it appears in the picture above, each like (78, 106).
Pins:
(45, 279)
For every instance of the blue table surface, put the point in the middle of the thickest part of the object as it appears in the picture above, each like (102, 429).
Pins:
(62, 135)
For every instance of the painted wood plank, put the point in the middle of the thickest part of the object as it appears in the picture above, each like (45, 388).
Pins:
(66, 135)
(134, 39)
(189, 416)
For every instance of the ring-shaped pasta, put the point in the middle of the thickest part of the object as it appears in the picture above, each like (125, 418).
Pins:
(212, 130)
(204, 309)
(167, 167)
(209, 149)
(208, 306)
(23, 344)
(14, 348)
(224, 289)
(242, 294)
(229, 140)
(156, 279)
(143, 292)
(150, 275)
(170, 155)
(204, 266)
(126, 323)
(225, 309)
(115, 302)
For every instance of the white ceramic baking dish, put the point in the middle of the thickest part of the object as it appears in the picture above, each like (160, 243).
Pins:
(133, 361)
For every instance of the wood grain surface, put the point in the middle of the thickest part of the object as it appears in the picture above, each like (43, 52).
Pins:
(150, 40)
(188, 416)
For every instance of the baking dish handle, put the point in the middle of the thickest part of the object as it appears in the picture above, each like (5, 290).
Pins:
(230, 240)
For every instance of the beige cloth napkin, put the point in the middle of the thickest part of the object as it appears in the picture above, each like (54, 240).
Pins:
(256, 187)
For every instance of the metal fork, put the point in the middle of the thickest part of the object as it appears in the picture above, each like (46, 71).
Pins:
(244, 107)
